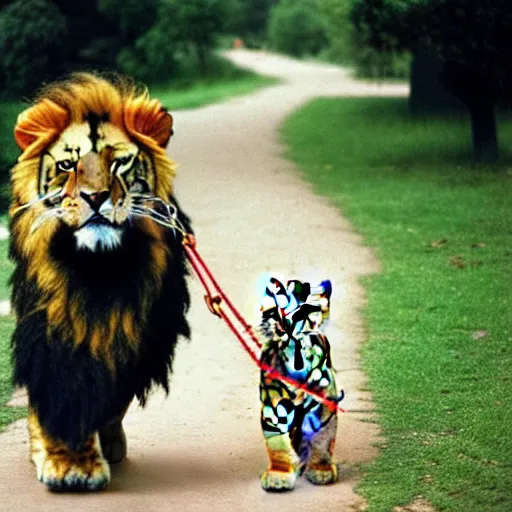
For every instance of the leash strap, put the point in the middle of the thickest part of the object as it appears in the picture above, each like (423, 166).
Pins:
(215, 298)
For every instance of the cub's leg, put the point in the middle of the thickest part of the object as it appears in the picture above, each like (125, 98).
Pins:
(113, 439)
(320, 469)
(277, 422)
(63, 469)
(283, 467)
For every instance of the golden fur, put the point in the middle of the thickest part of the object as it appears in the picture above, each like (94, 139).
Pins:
(37, 127)
(97, 325)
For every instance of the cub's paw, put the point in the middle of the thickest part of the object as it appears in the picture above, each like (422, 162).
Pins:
(278, 481)
(84, 474)
(322, 475)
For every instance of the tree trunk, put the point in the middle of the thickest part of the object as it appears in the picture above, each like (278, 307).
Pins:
(478, 90)
(429, 95)
(483, 126)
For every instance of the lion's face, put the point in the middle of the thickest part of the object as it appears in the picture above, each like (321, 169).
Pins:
(95, 263)
(93, 160)
(93, 177)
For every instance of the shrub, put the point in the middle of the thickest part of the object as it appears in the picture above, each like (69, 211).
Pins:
(33, 36)
(297, 27)
(153, 57)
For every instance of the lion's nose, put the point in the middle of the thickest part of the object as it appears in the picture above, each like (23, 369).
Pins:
(96, 199)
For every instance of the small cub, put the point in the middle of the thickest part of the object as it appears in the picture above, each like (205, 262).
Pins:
(299, 431)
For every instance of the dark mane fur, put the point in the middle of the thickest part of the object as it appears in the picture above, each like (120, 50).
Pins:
(73, 392)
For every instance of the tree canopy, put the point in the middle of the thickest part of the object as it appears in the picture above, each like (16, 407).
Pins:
(297, 27)
(31, 35)
(471, 37)
(42, 39)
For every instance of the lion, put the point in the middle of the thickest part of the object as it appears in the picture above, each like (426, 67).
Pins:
(99, 286)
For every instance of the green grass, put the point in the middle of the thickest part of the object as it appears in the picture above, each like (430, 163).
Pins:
(9, 154)
(439, 349)
(9, 112)
(7, 414)
(190, 90)
(203, 93)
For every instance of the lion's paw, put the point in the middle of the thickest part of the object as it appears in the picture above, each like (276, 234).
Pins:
(61, 474)
(322, 475)
(113, 443)
(278, 481)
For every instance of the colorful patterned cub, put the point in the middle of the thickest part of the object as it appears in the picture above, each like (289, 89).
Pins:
(299, 431)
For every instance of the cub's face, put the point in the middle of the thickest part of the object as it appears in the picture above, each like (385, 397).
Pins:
(92, 178)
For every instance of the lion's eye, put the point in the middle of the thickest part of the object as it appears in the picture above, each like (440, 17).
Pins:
(119, 164)
(139, 187)
(124, 160)
(65, 165)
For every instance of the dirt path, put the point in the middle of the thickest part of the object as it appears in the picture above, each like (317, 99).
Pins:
(201, 449)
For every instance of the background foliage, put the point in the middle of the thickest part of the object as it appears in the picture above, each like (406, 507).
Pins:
(42, 39)
(31, 32)
(297, 27)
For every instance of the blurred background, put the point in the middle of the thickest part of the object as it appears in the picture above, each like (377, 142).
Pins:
(456, 53)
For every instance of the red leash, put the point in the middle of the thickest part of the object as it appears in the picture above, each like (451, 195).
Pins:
(214, 299)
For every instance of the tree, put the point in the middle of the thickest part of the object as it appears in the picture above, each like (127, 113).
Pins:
(152, 57)
(129, 41)
(132, 17)
(248, 19)
(42, 39)
(338, 29)
(178, 29)
(346, 46)
(33, 36)
(296, 27)
(471, 37)
(193, 24)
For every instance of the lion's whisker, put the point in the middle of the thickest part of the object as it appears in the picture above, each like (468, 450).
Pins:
(56, 212)
(171, 210)
(158, 218)
(148, 209)
(171, 220)
(151, 212)
(49, 195)
(154, 216)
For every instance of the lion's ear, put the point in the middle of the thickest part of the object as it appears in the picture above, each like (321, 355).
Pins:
(148, 121)
(38, 126)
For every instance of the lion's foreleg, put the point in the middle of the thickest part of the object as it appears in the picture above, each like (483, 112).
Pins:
(113, 439)
(61, 468)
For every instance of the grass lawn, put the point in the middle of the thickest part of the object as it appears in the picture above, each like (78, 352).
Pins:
(185, 93)
(9, 154)
(439, 317)
(204, 92)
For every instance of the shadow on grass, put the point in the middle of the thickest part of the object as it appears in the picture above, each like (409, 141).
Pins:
(403, 141)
